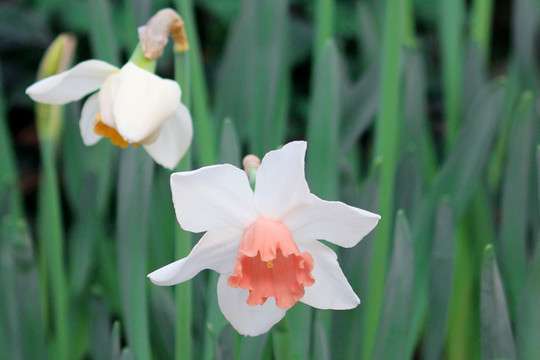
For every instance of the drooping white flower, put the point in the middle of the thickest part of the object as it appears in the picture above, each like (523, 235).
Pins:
(263, 242)
(133, 106)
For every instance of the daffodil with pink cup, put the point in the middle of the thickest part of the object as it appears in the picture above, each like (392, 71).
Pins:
(264, 242)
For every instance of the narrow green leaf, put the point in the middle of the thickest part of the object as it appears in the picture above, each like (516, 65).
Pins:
(102, 35)
(115, 341)
(387, 140)
(10, 199)
(162, 322)
(204, 140)
(100, 320)
(391, 338)
(226, 344)
(321, 346)
(323, 127)
(440, 282)
(360, 108)
(134, 187)
(497, 339)
(252, 84)
(528, 317)
(253, 347)
(281, 340)
(230, 152)
(369, 35)
(457, 179)
(525, 24)
(512, 243)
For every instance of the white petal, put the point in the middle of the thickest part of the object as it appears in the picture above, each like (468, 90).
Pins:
(106, 99)
(247, 320)
(333, 221)
(281, 183)
(143, 102)
(174, 139)
(71, 85)
(331, 289)
(211, 198)
(88, 115)
(217, 250)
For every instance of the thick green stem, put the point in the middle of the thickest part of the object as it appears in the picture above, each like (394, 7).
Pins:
(182, 238)
(51, 235)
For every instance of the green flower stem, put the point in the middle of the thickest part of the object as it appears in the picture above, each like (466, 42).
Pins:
(451, 17)
(51, 241)
(142, 61)
(204, 135)
(481, 25)
(386, 147)
(324, 23)
(182, 238)
(134, 190)
(49, 120)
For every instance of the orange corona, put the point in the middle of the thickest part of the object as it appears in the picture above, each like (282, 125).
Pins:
(108, 132)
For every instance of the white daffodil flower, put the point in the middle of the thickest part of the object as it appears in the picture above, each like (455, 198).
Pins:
(133, 106)
(263, 242)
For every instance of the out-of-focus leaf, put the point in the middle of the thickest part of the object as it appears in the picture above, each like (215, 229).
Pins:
(162, 322)
(356, 263)
(230, 146)
(512, 243)
(252, 85)
(20, 26)
(100, 323)
(475, 73)
(115, 341)
(497, 338)
(23, 333)
(321, 346)
(224, 10)
(253, 347)
(441, 280)
(369, 32)
(102, 35)
(525, 23)
(391, 338)
(457, 179)
(360, 107)
(225, 347)
(10, 199)
(281, 340)
(324, 123)
(528, 316)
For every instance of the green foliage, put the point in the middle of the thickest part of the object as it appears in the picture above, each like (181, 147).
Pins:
(395, 119)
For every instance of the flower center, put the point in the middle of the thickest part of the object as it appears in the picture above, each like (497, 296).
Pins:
(108, 132)
(269, 264)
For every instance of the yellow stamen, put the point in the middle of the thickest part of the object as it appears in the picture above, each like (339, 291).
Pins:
(108, 132)
(269, 265)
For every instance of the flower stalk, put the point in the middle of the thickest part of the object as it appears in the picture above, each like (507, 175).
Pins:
(49, 125)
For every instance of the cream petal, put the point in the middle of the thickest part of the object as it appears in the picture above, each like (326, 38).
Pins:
(88, 115)
(247, 320)
(143, 102)
(217, 250)
(331, 289)
(211, 198)
(333, 221)
(71, 85)
(174, 139)
(106, 99)
(281, 185)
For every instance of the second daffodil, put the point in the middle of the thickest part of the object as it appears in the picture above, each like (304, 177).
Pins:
(133, 106)
(264, 242)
